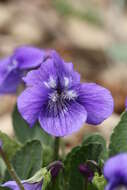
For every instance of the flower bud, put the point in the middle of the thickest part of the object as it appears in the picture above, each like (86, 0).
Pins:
(86, 171)
(55, 168)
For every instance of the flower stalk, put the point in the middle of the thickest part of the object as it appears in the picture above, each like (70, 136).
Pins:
(86, 183)
(56, 148)
(11, 170)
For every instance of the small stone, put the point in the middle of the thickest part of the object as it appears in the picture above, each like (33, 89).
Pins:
(28, 31)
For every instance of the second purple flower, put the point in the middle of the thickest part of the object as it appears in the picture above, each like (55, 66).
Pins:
(56, 97)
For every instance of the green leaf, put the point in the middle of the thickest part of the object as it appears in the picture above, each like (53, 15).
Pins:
(46, 180)
(38, 176)
(28, 160)
(118, 140)
(24, 133)
(10, 146)
(42, 174)
(79, 155)
(47, 155)
(91, 187)
(58, 183)
(96, 138)
(99, 181)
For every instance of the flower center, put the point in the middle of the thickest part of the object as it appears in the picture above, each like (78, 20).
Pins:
(58, 95)
(61, 94)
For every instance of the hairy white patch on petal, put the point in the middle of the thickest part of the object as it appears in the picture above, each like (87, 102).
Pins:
(66, 81)
(70, 95)
(46, 84)
(51, 83)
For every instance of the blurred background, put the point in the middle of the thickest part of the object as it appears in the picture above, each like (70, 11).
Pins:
(90, 33)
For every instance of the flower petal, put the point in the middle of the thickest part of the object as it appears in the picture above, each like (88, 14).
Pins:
(27, 186)
(28, 57)
(4, 68)
(39, 76)
(114, 168)
(60, 122)
(97, 101)
(126, 104)
(11, 82)
(30, 103)
(53, 67)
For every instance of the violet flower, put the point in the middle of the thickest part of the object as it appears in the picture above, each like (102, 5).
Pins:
(115, 171)
(13, 68)
(62, 104)
(30, 184)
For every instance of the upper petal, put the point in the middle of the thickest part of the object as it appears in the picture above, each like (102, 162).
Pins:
(53, 67)
(28, 57)
(11, 82)
(41, 75)
(97, 101)
(4, 68)
(62, 121)
(30, 103)
(10, 76)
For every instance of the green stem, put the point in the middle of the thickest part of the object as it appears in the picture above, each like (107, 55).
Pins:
(11, 170)
(86, 183)
(56, 148)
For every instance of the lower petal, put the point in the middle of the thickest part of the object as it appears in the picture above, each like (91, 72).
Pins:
(62, 122)
(30, 103)
(11, 184)
(27, 186)
(97, 101)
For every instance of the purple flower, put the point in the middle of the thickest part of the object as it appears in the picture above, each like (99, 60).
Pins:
(28, 186)
(86, 171)
(115, 171)
(36, 182)
(13, 68)
(56, 98)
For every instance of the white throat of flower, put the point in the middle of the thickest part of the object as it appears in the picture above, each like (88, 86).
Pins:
(66, 95)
